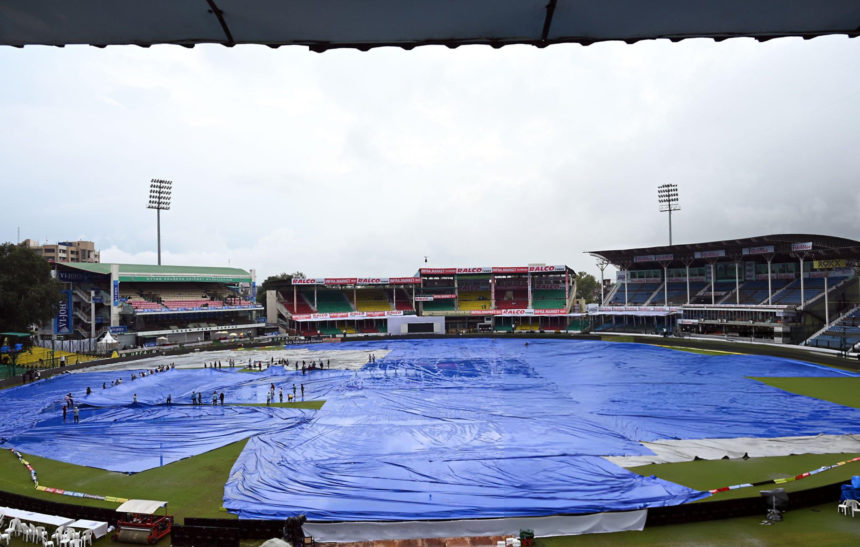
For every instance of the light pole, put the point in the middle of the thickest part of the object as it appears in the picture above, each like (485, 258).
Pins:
(159, 199)
(667, 197)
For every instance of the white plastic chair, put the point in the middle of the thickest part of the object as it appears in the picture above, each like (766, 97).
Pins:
(47, 542)
(30, 532)
(5, 537)
(13, 527)
(87, 538)
(854, 505)
(77, 542)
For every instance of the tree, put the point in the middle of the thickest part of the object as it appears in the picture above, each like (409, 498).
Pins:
(275, 282)
(587, 287)
(28, 293)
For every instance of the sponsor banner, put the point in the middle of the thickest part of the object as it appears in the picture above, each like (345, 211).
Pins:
(70, 277)
(253, 290)
(611, 309)
(829, 264)
(121, 329)
(556, 311)
(63, 322)
(806, 246)
(763, 250)
(309, 281)
(345, 315)
(340, 280)
(494, 269)
(518, 312)
(444, 296)
(198, 329)
(404, 280)
(372, 281)
(654, 258)
(116, 293)
(160, 278)
(688, 321)
(547, 269)
(423, 298)
(693, 278)
(331, 340)
(710, 254)
(438, 271)
(98, 300)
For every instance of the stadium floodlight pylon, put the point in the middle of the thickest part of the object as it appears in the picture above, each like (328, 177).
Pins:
(667, 197)
(159, 199)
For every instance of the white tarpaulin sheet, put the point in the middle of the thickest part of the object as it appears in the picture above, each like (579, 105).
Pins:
(671, 451)
(147, 507)
(560, 525)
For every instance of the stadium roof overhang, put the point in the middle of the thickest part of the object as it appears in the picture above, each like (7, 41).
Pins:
(776, 247)
(149, 273)
(328, 24)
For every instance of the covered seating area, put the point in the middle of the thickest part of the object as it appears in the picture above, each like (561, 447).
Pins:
(48, 530)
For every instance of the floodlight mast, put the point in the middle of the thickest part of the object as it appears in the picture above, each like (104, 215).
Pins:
(667, 197)
(159, 199)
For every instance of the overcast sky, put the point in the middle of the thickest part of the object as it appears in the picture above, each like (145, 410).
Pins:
(351, 163)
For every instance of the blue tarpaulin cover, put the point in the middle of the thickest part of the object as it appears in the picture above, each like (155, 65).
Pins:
(452, 428)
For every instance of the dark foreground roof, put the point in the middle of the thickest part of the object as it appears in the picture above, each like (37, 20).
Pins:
(749, 248)
(327, 24)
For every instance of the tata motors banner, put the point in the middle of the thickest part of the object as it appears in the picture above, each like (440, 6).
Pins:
(63, 322)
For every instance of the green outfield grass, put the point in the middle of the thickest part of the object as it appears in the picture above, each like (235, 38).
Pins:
(192, 487)
(842, 390)
(711, 474)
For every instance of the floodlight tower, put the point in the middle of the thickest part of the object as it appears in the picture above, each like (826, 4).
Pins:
(159, 199)
(667, 197)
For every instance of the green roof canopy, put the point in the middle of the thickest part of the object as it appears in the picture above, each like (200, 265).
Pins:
(149, 273)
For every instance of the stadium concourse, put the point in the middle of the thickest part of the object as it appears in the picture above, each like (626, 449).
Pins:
(784, 289)
(447, 431)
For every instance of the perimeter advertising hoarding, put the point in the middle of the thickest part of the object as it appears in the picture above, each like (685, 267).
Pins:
(762, 250)
(526, 312)
(346, 315)
(63, 322)
(829, 264)
(358, 281)
(495, 269)
(710, 254)
(654, 258)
